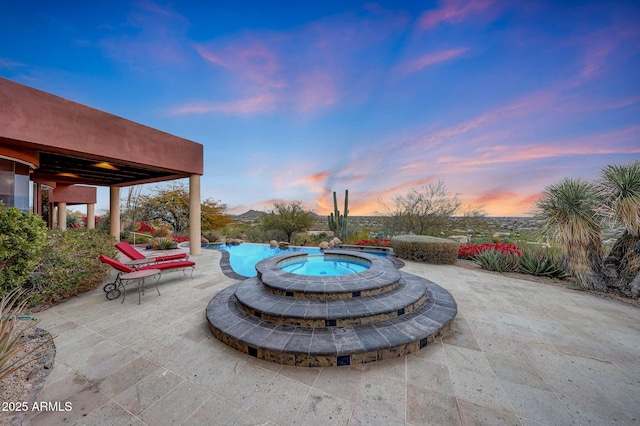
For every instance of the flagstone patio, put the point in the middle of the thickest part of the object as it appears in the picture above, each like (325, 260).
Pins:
(521, 353)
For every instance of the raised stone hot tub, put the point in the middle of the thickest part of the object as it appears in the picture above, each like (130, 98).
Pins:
(318, 321)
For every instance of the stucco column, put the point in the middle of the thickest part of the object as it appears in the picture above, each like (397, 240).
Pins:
(114, 212)
(195, 231)
(91, 216)
(62, 215)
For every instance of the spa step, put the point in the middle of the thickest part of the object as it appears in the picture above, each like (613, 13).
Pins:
(381, 277)
(256, 300)
(333, 346)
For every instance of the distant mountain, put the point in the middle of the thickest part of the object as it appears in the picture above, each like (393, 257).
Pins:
(251, 215)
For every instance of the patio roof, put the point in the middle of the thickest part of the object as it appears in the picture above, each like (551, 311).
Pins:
(77, 144)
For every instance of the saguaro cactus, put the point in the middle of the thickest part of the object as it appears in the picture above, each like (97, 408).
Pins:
(338, 222)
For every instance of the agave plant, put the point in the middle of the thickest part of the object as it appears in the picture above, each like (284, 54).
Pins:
(568, 212)
(11, 334)
(497, 260)
(541, 263)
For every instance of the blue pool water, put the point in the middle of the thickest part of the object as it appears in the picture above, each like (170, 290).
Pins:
(324, 266)
(243, 257)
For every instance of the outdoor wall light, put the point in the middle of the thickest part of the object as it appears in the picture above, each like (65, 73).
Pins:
(105, 165)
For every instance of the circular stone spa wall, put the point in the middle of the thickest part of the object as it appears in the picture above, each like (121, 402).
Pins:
(320, 321)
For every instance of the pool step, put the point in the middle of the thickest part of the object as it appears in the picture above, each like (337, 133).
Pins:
(332, 346)
(254, 299)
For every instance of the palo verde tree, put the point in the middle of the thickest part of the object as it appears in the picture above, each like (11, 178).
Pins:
(170, 205)
(422, 211)
(287, 217)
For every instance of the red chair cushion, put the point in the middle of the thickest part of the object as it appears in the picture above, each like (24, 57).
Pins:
(168, 265)
(119, 266)
(129, 251)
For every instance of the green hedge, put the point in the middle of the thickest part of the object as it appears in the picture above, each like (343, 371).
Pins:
(424, 248)
(69, 264)
(22, 239)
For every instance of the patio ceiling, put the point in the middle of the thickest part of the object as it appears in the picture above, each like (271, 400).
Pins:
(69, 169)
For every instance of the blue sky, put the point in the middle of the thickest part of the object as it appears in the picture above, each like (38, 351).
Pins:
(294, 100)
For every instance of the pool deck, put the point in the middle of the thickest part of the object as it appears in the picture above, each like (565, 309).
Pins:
(521, 353)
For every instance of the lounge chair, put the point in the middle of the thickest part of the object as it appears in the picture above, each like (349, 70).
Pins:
(133, 254)
(112, 288)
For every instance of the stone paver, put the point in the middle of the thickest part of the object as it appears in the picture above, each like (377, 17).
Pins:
(520, 353)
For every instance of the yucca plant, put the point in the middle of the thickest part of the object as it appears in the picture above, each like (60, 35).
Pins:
(497, 260)
(541, 263)
(619, 189)
(568, 212)
(12, 330)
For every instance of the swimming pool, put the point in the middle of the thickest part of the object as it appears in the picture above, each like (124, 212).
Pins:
(243, 257)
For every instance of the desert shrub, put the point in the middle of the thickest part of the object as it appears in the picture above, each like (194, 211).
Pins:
(212, 235)
(542, 263)
(497, 260)
(357, 234)
(22, 239)
(234, 230)
(69, 264)
(425, 249)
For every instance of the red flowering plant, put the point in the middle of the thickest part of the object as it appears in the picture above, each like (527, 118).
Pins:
(145, 228)
(378, 243)
(180, 238)
(470, 251)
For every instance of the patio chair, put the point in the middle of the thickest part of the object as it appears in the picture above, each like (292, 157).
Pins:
(112, 288)
(133, 254)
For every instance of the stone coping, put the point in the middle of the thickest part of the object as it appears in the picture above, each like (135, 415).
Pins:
(380, 277)
(254, 299)
(332, 346)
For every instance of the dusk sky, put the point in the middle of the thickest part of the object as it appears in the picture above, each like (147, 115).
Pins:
(295, 99)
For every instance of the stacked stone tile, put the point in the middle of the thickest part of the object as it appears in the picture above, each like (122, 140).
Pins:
(311, 321)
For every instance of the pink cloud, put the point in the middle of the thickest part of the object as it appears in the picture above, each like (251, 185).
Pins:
(315, 90)
(309, 68)
(314, 178)
(454, 11)
(258, 104)
(424, 61)
(603, 49)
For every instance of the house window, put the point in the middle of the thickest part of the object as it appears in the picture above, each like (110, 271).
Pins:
(14, 184)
